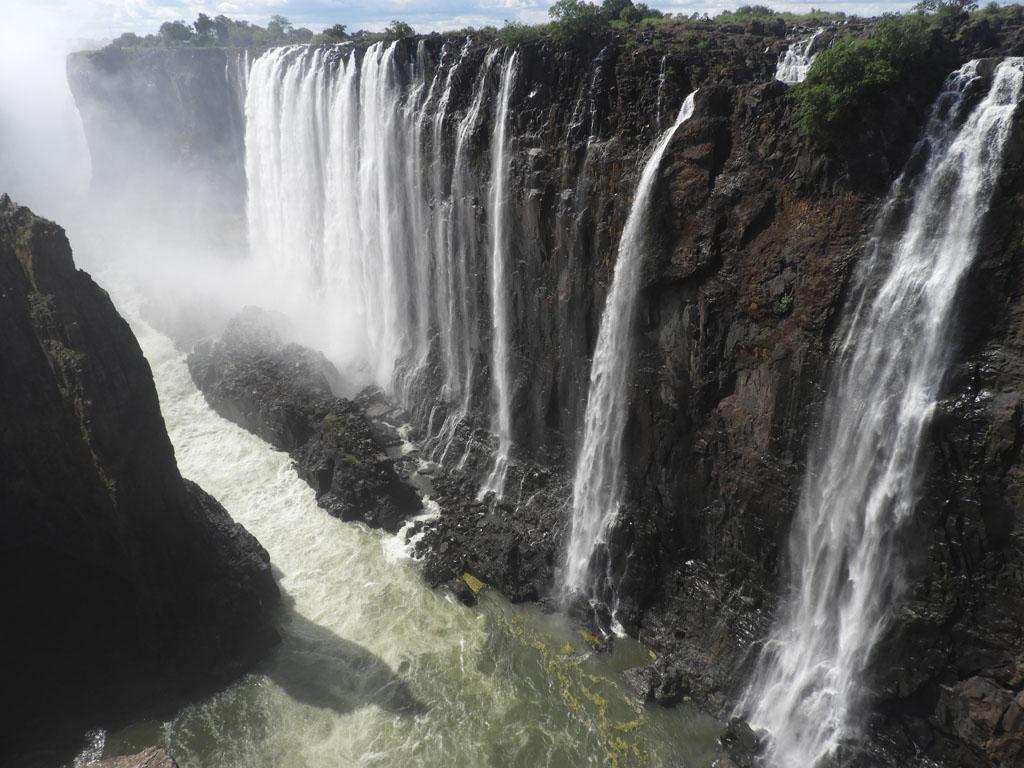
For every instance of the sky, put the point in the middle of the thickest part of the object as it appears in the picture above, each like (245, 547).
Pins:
(104, 19)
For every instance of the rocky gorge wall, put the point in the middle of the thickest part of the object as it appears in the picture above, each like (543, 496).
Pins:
(757, 235)
(126, 588)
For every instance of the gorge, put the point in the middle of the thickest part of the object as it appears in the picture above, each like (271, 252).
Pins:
(709, 414)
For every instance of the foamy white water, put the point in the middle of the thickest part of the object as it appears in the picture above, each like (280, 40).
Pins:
(861, 485)
(796, 60)
(375, 669)
(597, 487)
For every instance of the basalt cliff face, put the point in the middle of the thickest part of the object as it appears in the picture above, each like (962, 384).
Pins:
(757, 235)
(126, 587)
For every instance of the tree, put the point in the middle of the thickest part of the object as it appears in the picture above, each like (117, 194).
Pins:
(397, 30)
(636, 13)
(613, 9)
(204, 26)
(127, 40)
(852, 76)
(951, 7)
(222, 27)
(174, 32)
(338, 32)
(577, 18)
(278, 26)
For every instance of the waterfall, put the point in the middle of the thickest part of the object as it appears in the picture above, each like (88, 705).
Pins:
(501, 342)
(796, 61)
(459, 246)
(662, 77)
(327, 209)
(597, 487)
(865, 462)
(368, 222)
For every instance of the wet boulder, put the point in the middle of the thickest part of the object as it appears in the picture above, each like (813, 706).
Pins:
(285, 394)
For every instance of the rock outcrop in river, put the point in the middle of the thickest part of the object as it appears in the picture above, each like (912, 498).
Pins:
(125, 587)
(284, 393)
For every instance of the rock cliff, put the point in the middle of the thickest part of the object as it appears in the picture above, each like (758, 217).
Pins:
(125, 587)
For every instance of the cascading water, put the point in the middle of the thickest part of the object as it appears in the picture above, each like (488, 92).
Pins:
(662, 77)
(796, 62)
(462, 245)
(500, 286)
(365, 215)
(327, 211)
(861, 485)
(597, 487)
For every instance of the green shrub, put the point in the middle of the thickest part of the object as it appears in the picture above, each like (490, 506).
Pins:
(397, 30)
(577, 18)
(516, 33)
(854, 74)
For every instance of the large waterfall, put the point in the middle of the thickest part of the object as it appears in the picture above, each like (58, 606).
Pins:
(861, 484)
(328, 209)
(597, 488)
(365, 215)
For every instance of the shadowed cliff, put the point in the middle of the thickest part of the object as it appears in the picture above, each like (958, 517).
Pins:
(125, 587)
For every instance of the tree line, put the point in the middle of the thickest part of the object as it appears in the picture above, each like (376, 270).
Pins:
(223, 31)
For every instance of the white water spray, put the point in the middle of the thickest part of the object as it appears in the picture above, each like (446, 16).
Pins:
(597, 488)
(861, 485)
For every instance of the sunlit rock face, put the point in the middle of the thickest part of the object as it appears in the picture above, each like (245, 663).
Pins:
(125, 587)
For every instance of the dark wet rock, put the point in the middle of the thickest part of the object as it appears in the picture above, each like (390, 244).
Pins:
(125, 588)
(658, 683)
(515, 549)
(284, 393)
(154, 757)
(742, 743)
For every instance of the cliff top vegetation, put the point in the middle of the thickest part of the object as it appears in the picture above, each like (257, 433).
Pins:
(569, 19)
(853, 78)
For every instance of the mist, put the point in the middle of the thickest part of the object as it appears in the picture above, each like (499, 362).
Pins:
(44, 160)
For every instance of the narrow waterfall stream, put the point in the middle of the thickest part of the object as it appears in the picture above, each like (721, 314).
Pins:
(796, 60)
(861, 484)
(501, 347)
(375, 669)
(597, 487)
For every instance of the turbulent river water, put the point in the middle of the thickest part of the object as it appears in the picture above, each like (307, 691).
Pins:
(375, 669)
